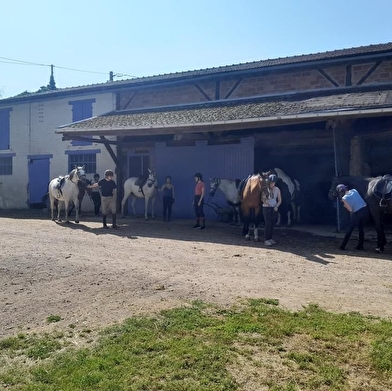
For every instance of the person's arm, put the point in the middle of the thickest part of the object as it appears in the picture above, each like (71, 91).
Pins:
(93, 185)
(202, 195)
(346, 205)
(173, 192)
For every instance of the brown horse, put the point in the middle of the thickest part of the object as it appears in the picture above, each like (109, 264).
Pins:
(255, 188)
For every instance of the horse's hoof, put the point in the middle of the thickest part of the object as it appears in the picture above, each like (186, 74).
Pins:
(377, 250)
(77, 221)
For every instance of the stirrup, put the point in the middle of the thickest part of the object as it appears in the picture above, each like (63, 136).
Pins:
(383, 203)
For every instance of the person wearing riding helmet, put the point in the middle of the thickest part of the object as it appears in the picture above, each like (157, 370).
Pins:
(359, 213)
(108, 189)
(198, 202)
(271, 204)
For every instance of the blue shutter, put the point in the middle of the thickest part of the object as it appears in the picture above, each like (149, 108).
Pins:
(81, 109)
(5, 128)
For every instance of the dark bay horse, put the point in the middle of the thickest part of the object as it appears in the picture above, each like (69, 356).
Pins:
(255, 189)
(377, 193)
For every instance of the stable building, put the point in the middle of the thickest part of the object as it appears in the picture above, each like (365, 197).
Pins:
(312, 116)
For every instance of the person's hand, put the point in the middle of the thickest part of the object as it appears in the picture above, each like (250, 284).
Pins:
(275, 208)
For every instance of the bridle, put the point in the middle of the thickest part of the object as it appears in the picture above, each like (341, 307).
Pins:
(151, 181)
(214, 186)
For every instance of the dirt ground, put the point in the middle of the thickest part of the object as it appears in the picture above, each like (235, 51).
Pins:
(93, 277)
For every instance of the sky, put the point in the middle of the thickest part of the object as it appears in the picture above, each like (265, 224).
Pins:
(86, 39)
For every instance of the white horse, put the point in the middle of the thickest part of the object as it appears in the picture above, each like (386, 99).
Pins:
(229, 188)
(149, 191)
(66, 190)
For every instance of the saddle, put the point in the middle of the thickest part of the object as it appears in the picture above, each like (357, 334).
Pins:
(60, 183)
(241, 185)
(383, 190)
(141, 181)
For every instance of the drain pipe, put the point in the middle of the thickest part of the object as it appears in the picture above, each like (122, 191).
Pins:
(335, 152)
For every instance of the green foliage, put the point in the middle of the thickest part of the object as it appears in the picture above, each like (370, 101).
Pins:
(203, 347)
(53, 318)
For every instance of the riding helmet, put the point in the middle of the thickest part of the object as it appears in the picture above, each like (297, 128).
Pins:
(109, 173)
(198, 176)
(341, 188)
(273, 178)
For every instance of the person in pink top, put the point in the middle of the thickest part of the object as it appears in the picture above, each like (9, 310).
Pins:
(198, 202)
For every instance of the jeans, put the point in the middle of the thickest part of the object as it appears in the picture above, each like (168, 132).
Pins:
(357, 219)
(269, 215)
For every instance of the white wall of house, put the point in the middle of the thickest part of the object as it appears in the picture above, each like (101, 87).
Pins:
(32, 132)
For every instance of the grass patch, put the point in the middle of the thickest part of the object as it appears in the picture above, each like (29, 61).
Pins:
(53, 318)
(254, 345)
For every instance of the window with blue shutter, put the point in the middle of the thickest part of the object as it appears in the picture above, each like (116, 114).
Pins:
(87, 158)
(81, 109)
(5, 128)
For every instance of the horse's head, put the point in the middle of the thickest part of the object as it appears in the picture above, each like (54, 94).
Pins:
(264, 183)
(214, 184)
(332, 193)
(152, 179)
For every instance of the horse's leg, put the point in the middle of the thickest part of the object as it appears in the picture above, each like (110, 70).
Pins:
(77, 208)
(146, 208)
(245, 218)
(383, 239)
(66, 205)
(278, 220)
(133, 204)
(51, 199)
(294, 211)
(153, 207)
(58, 211)
(289, 220)
(124, 200)
(256, 226)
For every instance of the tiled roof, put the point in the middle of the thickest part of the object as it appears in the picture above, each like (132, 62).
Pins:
(231, 111)
(248, 66)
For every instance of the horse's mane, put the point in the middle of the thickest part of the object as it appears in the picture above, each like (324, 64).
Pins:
(72, 173)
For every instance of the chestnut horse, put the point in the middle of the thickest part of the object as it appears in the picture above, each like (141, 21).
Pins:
(255, 189)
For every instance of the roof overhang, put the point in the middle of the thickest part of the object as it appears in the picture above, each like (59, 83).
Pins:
(232, 116)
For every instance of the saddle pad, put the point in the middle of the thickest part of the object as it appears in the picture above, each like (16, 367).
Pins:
(383, 189)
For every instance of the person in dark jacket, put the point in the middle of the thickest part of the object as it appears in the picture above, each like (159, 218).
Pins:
(109, 197)
(167, 198)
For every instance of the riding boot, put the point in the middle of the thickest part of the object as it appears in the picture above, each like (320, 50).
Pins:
(345, 241)
(114, 219)
(361, 239)
(104, 221)
(197, 225)
(203, 223)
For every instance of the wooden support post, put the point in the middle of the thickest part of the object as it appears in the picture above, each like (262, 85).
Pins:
(356, 156)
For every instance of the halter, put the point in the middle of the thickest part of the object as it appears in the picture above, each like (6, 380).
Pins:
(214, 186)
(151, 181)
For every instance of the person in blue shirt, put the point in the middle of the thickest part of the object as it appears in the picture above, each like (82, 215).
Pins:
(359, 213)
(168, 198)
